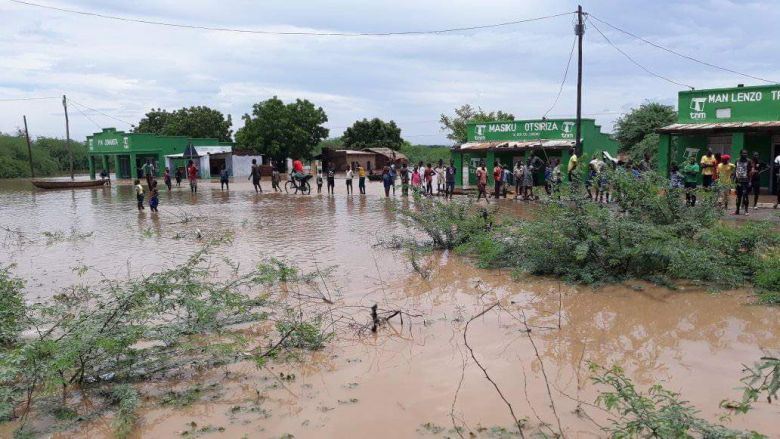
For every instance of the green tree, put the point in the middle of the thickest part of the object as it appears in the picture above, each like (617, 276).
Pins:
(456, 125)
(632, 128)
(200, 121)
(281, 130)
(374, 133)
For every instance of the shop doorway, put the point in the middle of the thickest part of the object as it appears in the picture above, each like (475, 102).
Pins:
(124, 167)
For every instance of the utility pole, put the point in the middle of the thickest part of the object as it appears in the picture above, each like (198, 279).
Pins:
(67, 134)
(29, 148)
(579, 30)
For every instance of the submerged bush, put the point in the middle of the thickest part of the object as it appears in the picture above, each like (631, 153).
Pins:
(12, 307)
(90, 335)
(649, 233)
(767, 279)
(656, 413)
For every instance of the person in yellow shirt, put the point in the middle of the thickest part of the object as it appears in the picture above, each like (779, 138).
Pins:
(572, 163)
(708, 164)
(361, 180)
(725, 178)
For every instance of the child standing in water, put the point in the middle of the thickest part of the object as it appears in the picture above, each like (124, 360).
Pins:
(139, 194)
(319, 182)
(275, 180)
(167, 179)
(155, 197)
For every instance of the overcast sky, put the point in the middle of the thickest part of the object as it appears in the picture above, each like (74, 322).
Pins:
(124, 69)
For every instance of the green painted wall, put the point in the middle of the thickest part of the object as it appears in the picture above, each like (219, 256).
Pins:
(738, 104)
(138, 147)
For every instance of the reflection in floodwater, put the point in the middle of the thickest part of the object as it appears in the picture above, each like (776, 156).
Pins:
(392, 383)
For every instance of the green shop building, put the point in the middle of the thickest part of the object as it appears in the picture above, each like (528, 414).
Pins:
(512, 141)
(125, 153)
(725, 120)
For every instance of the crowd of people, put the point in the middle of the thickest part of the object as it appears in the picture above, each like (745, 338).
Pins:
(719, 174)
(715, 171)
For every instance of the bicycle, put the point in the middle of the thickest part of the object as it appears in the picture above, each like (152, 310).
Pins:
(301, 185)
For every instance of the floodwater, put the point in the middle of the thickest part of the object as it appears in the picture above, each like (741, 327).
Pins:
(403, 381)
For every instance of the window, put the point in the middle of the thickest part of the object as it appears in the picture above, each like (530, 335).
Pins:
(723, 113)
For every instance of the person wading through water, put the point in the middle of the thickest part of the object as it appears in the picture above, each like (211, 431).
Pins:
(254, 175)
(482, 182)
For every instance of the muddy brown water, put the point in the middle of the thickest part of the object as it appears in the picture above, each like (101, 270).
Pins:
(401, 382)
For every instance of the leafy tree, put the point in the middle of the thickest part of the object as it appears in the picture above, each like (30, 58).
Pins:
(50, 156)
(456, 125)
(373, 133)
(634, 126)
(281, 130)
(426, 153)
(197, 121)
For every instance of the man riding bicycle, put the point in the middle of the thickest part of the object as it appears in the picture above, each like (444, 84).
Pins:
(298, 174)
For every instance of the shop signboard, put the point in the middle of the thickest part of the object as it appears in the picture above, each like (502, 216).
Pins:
(739, 104)
(522, 130)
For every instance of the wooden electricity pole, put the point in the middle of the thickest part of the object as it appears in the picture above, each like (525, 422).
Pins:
(579, 30)
(29, 148)
(67, 134)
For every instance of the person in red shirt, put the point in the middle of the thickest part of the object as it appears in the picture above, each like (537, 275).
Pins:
(498, 171)
(429, 179)
(298, 166)
(192, 176)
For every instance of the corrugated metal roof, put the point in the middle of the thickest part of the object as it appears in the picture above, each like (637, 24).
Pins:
(693, 127)
(483, 146)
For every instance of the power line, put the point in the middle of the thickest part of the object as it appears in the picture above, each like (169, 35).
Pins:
(302, 33)
(565, 74)
(682, 55)
(28, 99)
(635, 61)
(88, 118)
(100, 112)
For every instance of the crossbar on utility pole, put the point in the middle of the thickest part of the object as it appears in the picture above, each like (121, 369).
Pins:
(29, 147)
(579, 30)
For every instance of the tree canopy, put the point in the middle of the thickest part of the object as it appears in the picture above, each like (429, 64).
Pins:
(374, 133)
(456, 125)
(636, 129)
(197, 121)
(281, 130)
(50, 156)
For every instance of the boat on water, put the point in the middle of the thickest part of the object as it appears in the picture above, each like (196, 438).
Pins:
(67, 184)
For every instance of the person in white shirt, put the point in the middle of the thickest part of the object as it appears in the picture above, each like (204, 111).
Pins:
(349, 176)
(441, 185)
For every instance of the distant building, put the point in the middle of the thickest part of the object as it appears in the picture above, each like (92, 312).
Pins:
(512, 141)
(125, 153)
(725, 120)
(385, 156)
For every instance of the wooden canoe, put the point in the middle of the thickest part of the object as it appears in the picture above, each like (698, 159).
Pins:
(67, 184)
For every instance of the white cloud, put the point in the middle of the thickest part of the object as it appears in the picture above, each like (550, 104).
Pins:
(124, 69)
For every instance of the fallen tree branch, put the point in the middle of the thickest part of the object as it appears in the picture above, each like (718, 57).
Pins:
(518, 424)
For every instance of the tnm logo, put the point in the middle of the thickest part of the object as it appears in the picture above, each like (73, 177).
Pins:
(479, 130)
(567, 126)
(697, 108)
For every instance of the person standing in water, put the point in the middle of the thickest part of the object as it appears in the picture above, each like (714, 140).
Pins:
(148, 169)
(167, 179)
(348, 179)
(691, 175)
(254, 174)
(178, 177)
(275, 179)
(331, 179)
(387, 180)
(192, 176)
(154, 199)
(139, 194)
(224, 179)
(361, 180)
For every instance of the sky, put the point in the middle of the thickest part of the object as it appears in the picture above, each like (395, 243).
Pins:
(113, 72)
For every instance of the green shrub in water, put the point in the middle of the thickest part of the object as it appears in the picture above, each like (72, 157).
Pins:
(767, 279)
(12, 307)
(649, 233)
